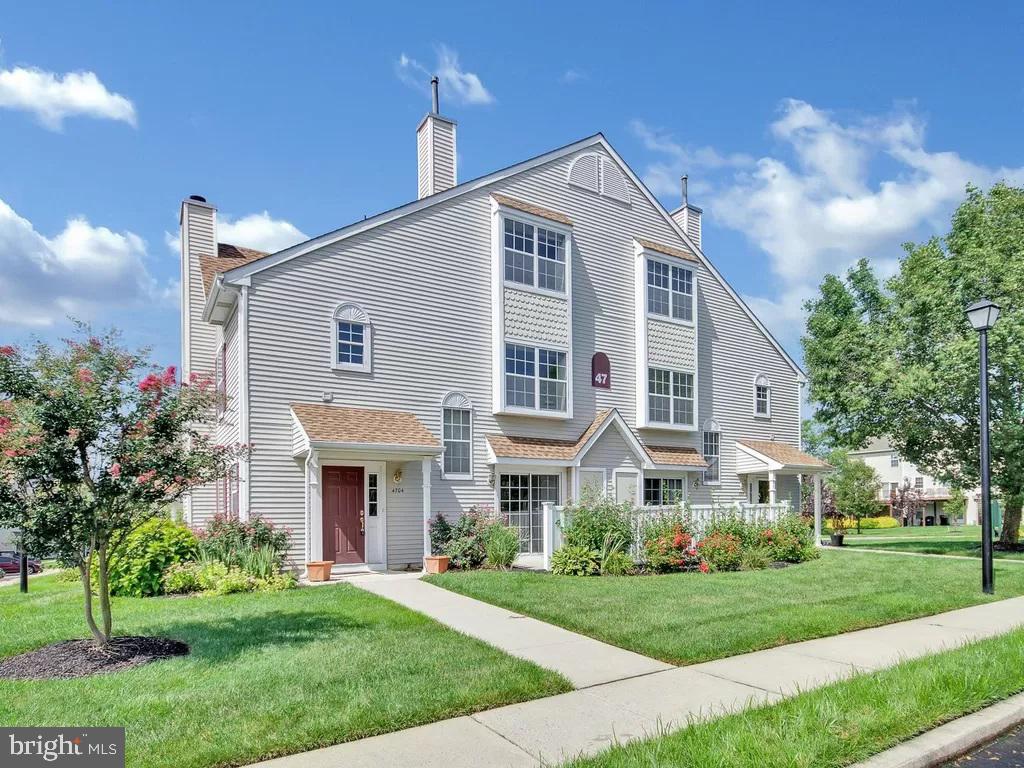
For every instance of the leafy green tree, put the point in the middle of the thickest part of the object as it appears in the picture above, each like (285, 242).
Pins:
(94, 442)
(900, 359)
(854, 485)
(815, 440)
(956, 506)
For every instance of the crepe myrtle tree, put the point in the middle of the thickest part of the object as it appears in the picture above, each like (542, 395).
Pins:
(94, 441)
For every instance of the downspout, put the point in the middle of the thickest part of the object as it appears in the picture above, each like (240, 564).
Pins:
(308, 469)
(243, 397)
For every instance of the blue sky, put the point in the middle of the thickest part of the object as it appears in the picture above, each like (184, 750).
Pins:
(813, 133)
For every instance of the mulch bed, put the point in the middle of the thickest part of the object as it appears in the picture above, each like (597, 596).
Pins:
(81, 658)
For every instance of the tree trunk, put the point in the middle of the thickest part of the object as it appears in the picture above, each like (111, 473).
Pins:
(104, 588)
(1010, 533)
(86, 576)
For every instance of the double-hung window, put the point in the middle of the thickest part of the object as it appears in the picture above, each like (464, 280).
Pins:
(762, 397)
(660, 491)
(712, 452)
(534, 256)
(669, 397)
(351, 343)
(535, 378)
(669, 290)
(457, 429)
(352, 338)
(221, 380)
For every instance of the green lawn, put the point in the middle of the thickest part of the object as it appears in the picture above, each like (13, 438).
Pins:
(931, 540)
(269, 674)
(689, 617)
(843, 723)
(959, 533)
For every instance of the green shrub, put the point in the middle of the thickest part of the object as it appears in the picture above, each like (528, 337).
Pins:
(867, 523)
(440, 534)
(137, 569)
(501, 545)
(234, 542)
(594, 519)
(182, 578)
(617, 564)
(261, 562)
(789, 540)
(574, 560)
(664, 524)
(755, 559)
(276, 583)
(467, 547)
(235, 580)
(721, 551)
(734, 525)
(210, 575)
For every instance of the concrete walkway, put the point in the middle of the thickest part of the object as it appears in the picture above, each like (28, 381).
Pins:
(582, 660)
(871, 550)
(637, 704)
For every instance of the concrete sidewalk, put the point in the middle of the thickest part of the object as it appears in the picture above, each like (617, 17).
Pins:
(548, 731)
(582, 660)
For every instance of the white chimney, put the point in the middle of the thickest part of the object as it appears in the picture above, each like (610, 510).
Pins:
(435, 150)
(688, 216)
(198, 240)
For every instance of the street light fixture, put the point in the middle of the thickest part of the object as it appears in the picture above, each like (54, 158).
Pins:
(983, 315)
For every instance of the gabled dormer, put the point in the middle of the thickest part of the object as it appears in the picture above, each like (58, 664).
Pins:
(532, 309)
(666, 326)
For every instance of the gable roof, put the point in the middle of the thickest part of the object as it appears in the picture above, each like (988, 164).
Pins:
(333, 424)
(571, 451)
(782, 453)
(228, 257)
(597, 139)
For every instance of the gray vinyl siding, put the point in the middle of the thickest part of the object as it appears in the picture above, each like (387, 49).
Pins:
(405, 515)
(425, 282)
(610, 452)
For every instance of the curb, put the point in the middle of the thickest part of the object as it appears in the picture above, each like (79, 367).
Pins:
(952, 739)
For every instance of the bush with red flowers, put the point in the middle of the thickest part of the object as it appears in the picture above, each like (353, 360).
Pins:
(721, 551)
(670, 550)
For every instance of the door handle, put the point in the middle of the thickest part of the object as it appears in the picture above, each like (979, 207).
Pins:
(362, 522)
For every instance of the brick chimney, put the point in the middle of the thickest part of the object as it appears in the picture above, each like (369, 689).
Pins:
(435, 150)
(688, 216)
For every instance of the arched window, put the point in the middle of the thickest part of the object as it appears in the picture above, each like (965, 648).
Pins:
(712, 452)
(457, 436)
(353, 337)
(762, 397)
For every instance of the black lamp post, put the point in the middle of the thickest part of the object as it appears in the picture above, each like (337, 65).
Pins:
(983, 315)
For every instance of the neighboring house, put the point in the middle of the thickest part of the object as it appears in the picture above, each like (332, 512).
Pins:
(506, 341)
(894, 471)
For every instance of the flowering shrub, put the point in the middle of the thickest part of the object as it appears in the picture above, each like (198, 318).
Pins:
(256, 545)
(467, 547)
(217, 579)
(721, 551)
(788, 540)
(673, 550)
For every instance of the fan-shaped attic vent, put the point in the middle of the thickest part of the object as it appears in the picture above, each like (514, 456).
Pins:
(599, 174)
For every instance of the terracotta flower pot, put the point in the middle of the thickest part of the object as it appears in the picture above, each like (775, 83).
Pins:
(436, 563)
(319, 570)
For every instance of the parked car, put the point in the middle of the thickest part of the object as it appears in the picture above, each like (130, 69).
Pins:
(10, 562)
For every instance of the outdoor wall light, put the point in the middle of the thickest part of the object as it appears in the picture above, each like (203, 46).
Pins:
(397, 476)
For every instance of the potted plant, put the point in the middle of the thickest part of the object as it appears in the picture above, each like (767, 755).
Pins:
(436, 563)
(839, 526)
(319, 570)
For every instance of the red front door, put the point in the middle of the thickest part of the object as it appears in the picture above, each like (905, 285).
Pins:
(344, 529)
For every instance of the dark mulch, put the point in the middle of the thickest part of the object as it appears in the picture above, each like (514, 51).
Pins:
(80, 658)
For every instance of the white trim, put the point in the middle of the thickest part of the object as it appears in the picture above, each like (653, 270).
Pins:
(350, 312)
(639, 495)
(670, 425)
(396, 449)
(715, 428)
(426, 471)
(762, 380)
(243, 402)
(671, 262)
(457, 401)
(502, 408)
(596, 140)
(316, 532)
(614, 418)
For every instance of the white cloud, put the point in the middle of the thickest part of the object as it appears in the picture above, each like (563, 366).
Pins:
(255, 230)
(572, 76)
(79, 271)
(834, 191)
(52, 98)
(456, 84)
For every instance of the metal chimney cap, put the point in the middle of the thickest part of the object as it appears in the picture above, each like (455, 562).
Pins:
(197, 198)
(435, 101)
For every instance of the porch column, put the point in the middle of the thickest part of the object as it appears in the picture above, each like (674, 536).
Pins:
(817, 510)
(427, 466)
(549, 533)
(771, 486)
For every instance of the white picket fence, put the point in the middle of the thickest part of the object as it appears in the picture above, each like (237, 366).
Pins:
(700, 516)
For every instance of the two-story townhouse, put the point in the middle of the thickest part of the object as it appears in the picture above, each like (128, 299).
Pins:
(506, 341)
(895, 472)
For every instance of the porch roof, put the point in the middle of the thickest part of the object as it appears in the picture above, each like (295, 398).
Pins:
(543, 449)
(781, 456)
(334, 426)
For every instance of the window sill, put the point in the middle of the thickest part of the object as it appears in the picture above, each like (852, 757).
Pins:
(445, 476)
(351, 367)
(668, 319)
(668, 427)
(563, 295)
(533, 412)
(763, 416)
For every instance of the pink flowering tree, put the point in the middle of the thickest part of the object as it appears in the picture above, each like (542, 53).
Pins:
(94, 442)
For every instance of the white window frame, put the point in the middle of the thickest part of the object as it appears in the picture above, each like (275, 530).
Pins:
(711, 426)
(536, 410)
(650, 257)
(760, 380)
(894, 460)
(684, 485)
(531, 470)
(457, 401)
(505, 214)
(671, 423)
(349, 312)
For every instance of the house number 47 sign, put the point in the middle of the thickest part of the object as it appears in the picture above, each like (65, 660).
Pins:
(600, 371)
